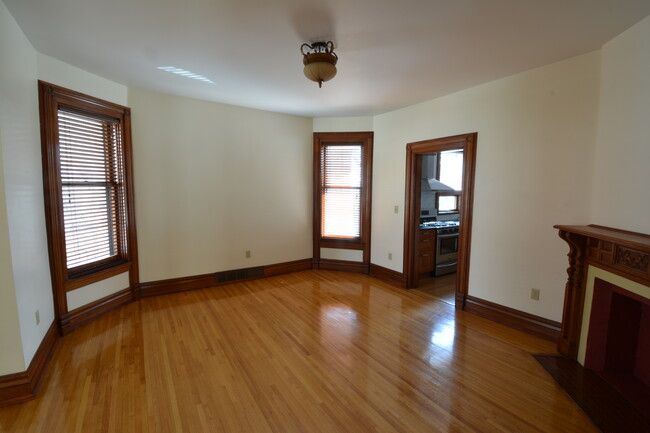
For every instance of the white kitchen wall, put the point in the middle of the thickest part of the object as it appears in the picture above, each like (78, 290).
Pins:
(621, 197)
(25, 281)
(536, 133)
(213, 181)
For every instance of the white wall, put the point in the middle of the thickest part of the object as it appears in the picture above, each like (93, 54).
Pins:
(536, 132)
(213, 180)
(62, 74)
(87, 294)
(621, 197)
(11, 348)
(344, 124)
(26, 285)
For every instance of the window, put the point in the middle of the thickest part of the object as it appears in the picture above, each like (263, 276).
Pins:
(342, 178)
(92, 189)
(86, 161)
(447, 202)
(341, 191)
(450, 168)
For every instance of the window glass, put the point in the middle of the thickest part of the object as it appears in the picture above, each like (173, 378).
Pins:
(341, 168)
(451, 169)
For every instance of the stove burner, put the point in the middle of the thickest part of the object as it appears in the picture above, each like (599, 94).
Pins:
(438, 224)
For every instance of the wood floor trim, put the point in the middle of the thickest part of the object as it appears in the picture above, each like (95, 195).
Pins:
(536, 325)
(394, 277)
(173, 285)
(22, 386)
(89, 312)
(287, 267)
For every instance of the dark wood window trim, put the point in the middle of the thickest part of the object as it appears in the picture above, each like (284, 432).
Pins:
(343, 138)
(52, 98)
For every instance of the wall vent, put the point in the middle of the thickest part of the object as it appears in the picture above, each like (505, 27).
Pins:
(239, 274)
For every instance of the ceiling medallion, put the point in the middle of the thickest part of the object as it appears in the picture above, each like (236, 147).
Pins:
(320, 61)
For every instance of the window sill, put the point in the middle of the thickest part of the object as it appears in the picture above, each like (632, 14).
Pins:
(100, 275)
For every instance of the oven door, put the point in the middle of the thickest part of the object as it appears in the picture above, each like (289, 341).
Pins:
(447, 248)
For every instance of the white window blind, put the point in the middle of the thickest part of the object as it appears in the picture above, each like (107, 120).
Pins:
(341, 176)
(92, 189)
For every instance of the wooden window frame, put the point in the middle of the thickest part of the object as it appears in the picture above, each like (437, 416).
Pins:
(51, 98)
(322, 139)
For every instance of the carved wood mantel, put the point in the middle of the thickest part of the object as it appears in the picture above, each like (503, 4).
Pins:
(618, 251)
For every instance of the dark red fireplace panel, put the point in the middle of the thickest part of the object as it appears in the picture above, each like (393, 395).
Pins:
(642, 369)
(619, 332)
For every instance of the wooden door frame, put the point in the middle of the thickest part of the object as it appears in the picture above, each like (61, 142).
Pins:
(414, 152)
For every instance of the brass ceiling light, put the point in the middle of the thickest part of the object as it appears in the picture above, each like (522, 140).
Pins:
(320, 61)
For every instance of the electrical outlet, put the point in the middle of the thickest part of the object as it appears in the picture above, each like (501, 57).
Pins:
(396, 209)
(534, 294)
(38, 317)
(248, 254)
(390, 256)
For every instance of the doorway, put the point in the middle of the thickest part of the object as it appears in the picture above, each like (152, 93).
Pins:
(414, 153)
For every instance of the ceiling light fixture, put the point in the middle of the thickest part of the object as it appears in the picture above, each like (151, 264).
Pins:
(320, 61)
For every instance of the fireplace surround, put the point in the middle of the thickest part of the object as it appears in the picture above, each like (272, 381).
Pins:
(620, 252)
(606, 316)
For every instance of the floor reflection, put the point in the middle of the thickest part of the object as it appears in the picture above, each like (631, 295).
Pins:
(443, 334)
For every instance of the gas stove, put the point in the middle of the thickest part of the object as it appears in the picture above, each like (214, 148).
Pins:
(430, 223)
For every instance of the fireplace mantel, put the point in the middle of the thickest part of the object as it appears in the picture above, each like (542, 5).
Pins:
(618, 251)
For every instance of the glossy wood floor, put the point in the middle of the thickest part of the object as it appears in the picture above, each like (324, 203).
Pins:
(313, 351)
(443, 287)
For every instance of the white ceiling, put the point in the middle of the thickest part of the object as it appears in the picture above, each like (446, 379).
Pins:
(391, 53)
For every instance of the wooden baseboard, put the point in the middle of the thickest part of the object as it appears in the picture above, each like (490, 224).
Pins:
(285, 268)
(526, 322)
(82, 315)
(20, 387)
(394, 277)
(343, 265)
(173, 285)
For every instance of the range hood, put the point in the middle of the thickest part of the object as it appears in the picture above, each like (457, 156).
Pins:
(436, 185)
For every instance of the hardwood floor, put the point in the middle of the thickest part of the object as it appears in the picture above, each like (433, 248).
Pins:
(443, 287)
(312, 351)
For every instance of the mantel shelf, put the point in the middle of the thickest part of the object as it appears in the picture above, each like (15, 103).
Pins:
(622, 237)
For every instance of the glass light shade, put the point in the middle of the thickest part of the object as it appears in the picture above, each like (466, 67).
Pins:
(320, 67)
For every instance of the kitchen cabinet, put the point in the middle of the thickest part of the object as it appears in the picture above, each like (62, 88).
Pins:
(426, 251)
